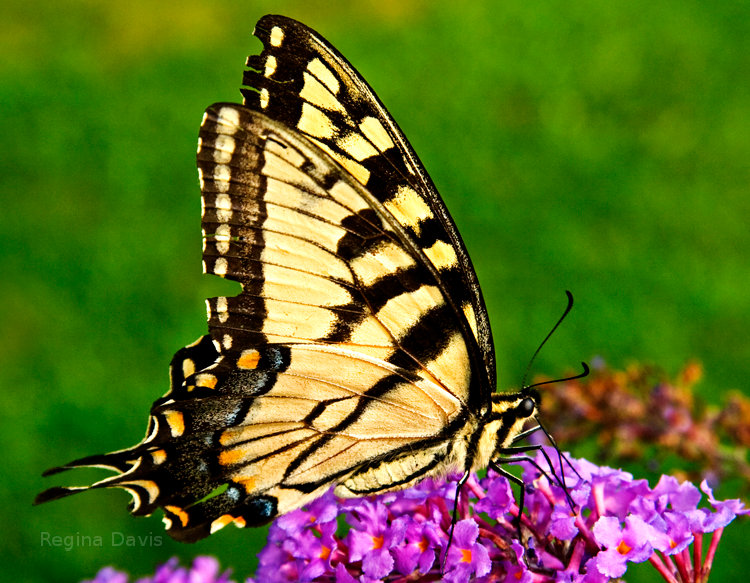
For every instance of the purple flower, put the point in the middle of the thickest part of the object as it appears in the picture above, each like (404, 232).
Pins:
(466, 557)
(203, 570)
(372, 541)
(320, 511)
(726, 511)
(109, 575)
(635, 542)
(418, 552)
(499, 499)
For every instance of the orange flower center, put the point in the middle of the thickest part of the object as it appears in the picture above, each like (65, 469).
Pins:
(423, 544)
(325, 552)
(465, 555)
(377, 542)
(623, 548)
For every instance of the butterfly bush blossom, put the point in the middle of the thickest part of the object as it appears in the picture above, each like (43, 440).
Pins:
(404, 535)
(203, 570)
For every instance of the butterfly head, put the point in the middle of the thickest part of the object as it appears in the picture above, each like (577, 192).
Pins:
(505, 423)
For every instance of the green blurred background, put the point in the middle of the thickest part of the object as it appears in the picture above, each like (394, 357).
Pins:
(600, 147)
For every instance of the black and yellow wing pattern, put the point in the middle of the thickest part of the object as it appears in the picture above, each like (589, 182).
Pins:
(358, 353)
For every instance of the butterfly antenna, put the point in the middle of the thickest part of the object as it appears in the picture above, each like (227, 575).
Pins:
(585, 373)
(536, 352)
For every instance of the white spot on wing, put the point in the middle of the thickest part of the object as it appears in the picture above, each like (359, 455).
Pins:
(223, 149)
(221, 309)
(222, 174)
(188, 367)
(270, 67)
(223, 208)
(277, 36)
(263, 98)
(229, 118)
(222, 238)
(220, 267)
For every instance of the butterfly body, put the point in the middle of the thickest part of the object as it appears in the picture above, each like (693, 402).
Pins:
(358, 354)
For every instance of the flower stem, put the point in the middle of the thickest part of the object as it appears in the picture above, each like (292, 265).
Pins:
(715, 538)
(661, 567)
(683, 565)
(697, 557)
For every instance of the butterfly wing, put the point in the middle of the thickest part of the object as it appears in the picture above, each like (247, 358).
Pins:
(302, 81)
(356, 353)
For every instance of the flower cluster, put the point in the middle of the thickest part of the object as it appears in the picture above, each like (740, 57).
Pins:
(404, 535)
(638, 414)
(203, 570)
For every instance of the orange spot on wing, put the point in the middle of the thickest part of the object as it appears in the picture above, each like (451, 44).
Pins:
(239, 522)
(176, 422)
(206, 380)
(221, 522)
(248, 359)
(248, 483)
(159, 456)
(179, 513)
(229, 457)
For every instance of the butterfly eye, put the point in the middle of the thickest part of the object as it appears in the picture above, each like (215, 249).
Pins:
(527, 407)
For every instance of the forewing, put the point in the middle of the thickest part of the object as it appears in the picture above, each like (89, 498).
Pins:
(304, 82)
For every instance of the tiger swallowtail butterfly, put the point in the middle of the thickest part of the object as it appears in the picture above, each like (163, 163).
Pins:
(358, 354)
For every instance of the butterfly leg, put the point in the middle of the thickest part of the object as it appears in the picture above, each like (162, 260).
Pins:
(495, 465)
(560, 481)
(454, 518)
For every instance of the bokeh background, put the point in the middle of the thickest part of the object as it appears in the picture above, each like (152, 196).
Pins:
(601, 147)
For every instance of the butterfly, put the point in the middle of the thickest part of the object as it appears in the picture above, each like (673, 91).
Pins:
(358, 354)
